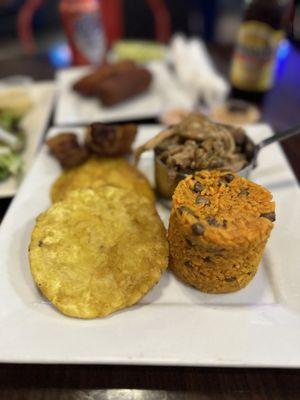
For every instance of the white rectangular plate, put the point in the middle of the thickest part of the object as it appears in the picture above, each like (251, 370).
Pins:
(34, 124)
(174, 324)
(73, 109)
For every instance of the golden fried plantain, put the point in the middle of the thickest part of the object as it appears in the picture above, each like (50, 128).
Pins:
(102, 171)
(98, 251)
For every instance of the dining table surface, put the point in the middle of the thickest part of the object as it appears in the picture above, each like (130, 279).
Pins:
(280, 109)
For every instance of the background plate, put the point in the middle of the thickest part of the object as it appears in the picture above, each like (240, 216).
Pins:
(174, 324)
(164, 92)
(34, 124)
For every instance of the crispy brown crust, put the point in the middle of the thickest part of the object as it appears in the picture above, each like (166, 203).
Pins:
(110, 140)
(67, 150)
(123, 86)
(87, 86)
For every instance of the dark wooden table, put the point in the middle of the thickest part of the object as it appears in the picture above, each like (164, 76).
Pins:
(281, 109)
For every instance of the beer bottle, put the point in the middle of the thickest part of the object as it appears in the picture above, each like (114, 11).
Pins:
(253, 61)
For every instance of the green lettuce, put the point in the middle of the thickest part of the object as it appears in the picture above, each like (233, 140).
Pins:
(10, 163)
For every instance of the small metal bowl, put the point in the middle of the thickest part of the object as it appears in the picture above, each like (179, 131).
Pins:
(166, 180)
(166, 184)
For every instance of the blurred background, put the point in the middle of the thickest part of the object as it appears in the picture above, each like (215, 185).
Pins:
(35, 25)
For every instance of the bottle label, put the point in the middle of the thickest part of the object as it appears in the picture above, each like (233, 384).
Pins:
(254, 59)
(89, 37)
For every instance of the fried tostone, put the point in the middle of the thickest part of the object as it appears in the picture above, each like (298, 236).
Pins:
(98, 251)
(102, 171)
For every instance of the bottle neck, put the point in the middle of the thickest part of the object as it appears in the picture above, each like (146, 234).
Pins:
(267, 11)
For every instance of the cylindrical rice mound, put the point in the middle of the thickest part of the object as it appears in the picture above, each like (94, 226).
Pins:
(219, 226)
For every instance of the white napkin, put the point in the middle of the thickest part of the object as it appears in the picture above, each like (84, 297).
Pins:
(195, 71)
(172, 92)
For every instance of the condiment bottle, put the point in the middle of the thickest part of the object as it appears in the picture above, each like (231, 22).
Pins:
(83, 27)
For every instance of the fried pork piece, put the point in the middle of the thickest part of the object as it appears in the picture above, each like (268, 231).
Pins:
(197, 143)
(67, 150)
(98, 251)
(87, 86)
(109, 140)
(123, 86)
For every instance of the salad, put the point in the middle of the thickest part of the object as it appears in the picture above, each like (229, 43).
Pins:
(14, 104)
(12, 142)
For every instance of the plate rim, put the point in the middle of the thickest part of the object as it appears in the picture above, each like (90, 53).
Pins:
(267, 313)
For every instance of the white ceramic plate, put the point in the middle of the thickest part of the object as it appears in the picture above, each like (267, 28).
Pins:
(73, 109)
(34, 124)
(174, 324)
